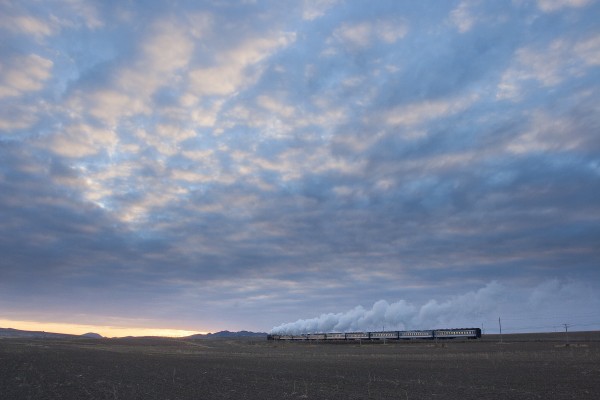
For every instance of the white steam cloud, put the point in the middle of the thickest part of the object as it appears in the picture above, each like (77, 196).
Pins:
(541, 308)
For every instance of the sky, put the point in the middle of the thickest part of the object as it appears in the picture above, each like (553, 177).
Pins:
(286, 166)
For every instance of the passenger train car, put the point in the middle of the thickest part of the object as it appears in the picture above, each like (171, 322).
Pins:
(464, 333)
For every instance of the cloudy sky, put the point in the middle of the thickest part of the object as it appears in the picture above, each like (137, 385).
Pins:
(325, 164)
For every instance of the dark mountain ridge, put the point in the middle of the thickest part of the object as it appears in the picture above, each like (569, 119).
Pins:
(228, 334)
(17, 333)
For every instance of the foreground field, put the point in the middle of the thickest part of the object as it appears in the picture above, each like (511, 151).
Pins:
(521, 367)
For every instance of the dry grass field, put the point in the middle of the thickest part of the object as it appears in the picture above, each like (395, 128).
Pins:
(521, 367)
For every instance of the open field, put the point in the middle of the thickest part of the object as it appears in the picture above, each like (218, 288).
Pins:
(522, 367)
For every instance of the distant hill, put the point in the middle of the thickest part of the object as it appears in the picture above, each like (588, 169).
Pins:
(228, 334)
(92, 335)
(17, 333)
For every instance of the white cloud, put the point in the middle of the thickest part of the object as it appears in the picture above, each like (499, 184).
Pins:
(231, 72)
(206, 115)
(165, 146)
(87, 10)
(163, 59)
(359, 35)
(420, 112)
(275, 117)
(198, 24)
(174, 133)
(546, 133)
(27, 25)
(275, 106)
(108, 106)
(165, 55)
(292, 164)
(391, 30)
(462, 17)
(65, 14)
(162, 194)
(588, 51)
(14, 117)
(23, 74)
(127, 194)
(168, 49)
(218, 81)
(354, 34)
(556, 5)
(561, 60)
(271, 116)
(191, 176)
(313, 9)
(81, 140)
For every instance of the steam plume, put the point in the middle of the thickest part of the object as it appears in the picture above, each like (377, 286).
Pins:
(545, 305)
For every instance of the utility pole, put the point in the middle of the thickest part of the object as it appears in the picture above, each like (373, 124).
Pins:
(567, 332)
(500, 325)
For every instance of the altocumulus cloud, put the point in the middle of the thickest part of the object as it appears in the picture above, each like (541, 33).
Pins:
(240, 164)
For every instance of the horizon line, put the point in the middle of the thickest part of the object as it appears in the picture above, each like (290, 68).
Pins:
(107, 331)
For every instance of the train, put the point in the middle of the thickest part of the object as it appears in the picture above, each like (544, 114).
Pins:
(458, 333)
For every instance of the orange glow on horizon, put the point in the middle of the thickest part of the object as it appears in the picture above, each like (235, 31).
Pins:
(104, 330)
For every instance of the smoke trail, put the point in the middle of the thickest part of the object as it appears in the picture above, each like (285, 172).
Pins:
(467, 310)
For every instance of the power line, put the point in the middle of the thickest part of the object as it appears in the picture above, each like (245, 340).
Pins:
(557, 325)
(557, 316)
(595, 324)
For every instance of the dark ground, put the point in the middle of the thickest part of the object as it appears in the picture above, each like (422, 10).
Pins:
(521, 367)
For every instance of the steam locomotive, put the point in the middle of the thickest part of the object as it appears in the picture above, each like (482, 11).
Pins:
(463, 333)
